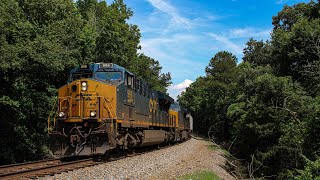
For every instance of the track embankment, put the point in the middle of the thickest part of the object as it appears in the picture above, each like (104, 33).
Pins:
(167, 163)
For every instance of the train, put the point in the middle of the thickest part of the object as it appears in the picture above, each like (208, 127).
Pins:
(105, 107)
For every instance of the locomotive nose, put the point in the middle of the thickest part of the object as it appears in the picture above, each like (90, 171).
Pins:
(79, 102)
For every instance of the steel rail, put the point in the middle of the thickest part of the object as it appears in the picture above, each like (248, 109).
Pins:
(48, 170)
(26, 163)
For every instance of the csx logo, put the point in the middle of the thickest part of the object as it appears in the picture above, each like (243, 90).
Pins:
(130, 96)
(152, 104)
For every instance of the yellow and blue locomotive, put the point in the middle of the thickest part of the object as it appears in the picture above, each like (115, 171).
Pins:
(104, 106)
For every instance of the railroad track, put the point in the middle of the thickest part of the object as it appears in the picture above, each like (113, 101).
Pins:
(42, 168)
(52, 166)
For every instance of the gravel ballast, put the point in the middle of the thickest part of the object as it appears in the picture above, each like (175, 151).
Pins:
(168, 163)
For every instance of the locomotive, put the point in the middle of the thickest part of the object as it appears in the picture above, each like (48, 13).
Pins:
(105, 107)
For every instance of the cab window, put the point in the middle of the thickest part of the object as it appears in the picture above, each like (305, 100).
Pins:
(80, 75)
(111, 76)
(129, 80)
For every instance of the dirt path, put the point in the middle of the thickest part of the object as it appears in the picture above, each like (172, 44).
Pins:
(197, 157)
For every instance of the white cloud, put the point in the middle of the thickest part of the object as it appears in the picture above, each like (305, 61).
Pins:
(172, 12)
(281, 1)
(175, 90)
(228, 43)
(181, 86)
(170, 48)
(174, 36)
(181, 59)
(249, 32)
(234, 39)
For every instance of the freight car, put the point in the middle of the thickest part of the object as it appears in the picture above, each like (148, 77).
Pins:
(104, 106)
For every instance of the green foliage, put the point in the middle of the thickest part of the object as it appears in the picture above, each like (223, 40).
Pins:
(117, 41)
(290, 15)
(157, 80)
(296, 53)
(201, 175)
(217, 148)
(212, 94)
(108, 38)
(269, 121)
(311, 171)
(40, 41)
(265, 118)
(267, 108)
(257, 52)
(38, 47)
(221, 66)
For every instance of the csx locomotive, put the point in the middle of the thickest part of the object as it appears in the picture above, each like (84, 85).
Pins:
(105, 107)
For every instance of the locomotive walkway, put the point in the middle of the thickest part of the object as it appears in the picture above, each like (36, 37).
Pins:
(166, 163)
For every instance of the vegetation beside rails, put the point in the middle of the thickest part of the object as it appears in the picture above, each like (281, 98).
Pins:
(218, 148)
(40, 42)
(232, 165)
(265, 110)
(200, 175)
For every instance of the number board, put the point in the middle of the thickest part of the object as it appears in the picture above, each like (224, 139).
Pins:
(106, 65)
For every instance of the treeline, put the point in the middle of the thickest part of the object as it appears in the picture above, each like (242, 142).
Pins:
(266, 110)
(40, 41)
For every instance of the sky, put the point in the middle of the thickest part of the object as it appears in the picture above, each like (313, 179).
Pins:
(183, 35)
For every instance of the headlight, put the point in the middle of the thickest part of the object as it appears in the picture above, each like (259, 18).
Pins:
(61, 114)
(93, 113)
(84, 86)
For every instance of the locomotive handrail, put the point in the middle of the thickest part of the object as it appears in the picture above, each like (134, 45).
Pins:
(50, 127)
(49, 118)
(54, 112)
(115, 115)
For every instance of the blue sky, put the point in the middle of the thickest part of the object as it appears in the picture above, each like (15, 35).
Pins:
(183, 35)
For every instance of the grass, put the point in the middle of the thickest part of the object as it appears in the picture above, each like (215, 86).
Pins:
(217, 148)
(200, 175)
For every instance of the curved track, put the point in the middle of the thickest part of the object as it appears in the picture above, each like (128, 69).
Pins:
(52, 166)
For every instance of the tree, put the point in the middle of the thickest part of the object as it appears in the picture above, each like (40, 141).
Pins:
(117, 41)
(268, 104)
(40, 41)
(109, 38)
(149, 70)
(289, 15)
(257, 52)
(295, 53)
(209, 97)
(38, 47)
(221, 66)
(269, 119)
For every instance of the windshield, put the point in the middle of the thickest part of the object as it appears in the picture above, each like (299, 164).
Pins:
(111, 76)
(175, 107)
(79, 75)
